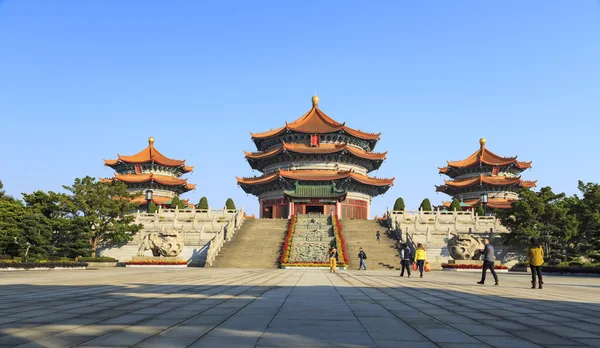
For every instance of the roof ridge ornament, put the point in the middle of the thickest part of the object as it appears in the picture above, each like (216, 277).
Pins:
(315, 101)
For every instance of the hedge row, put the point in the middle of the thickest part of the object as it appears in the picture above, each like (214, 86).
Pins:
(30, 265)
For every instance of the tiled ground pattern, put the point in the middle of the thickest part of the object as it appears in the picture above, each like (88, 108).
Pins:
(294, 308)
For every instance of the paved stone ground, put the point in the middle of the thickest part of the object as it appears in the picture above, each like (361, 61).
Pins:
(294, 308)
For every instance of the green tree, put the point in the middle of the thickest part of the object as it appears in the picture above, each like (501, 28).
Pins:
(175, 203)
(152, 208)
(12, 212)
(35, 241)
(587, 210)
(105, 208)
(229, 205)
(455, 205)
(546, 216)
(399, 204)
(425, 205)
(480, 211)
(203, 204)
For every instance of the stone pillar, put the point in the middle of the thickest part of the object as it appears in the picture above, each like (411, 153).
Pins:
(338, 209)
(368, 209)
(290, 209)
(261, 207)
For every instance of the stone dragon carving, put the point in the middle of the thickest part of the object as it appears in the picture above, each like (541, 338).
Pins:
(166, 243)
(465, 247)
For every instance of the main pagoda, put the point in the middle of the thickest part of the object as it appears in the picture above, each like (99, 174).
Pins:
(151, 170)
(315, 164)
(485, 172)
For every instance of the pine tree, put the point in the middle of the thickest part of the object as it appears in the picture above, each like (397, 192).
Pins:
(175, 203)
(203, 204)
(152, 208)
(480, 211)
(229, 205)
(455, 205)
(399, 205)
(425, 205)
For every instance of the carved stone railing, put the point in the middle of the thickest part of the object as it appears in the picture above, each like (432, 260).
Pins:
(225, 234)
(443, 222)
(188, 219)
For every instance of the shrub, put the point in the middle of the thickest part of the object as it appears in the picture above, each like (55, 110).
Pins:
(460, 266)
(97, 259)
(480, 211)
(425, 205)
(47, 264)
(203, 204)
(229, 205)
(152, 208)
(399, 204)
(455, 205)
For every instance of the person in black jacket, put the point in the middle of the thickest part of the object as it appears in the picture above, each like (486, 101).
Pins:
(362, 256)
(405, 259)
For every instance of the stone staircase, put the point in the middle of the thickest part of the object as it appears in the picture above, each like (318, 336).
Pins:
(361, 233)
(256, 245)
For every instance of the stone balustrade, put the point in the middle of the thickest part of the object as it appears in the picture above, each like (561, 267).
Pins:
(443, 222)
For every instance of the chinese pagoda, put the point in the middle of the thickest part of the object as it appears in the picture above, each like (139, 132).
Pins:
(151, 170)
(317, 165)
(485, 172)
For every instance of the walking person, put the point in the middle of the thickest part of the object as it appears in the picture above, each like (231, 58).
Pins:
(420, 257)
(406, 259)
(488, 261)
(332, 259)
(536, 260)
(378, 235)
(362, 256)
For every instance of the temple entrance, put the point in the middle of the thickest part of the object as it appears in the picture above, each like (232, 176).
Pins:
(315, 209)
(268, 213)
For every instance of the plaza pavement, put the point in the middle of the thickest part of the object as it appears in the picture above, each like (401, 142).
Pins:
(197, 307)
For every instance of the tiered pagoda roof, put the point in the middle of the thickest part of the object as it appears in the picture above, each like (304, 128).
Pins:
(482, 157)
(150, 169)
(256, 159)
(315, 121)
(484, 171)
(149, 155)
(315, 138)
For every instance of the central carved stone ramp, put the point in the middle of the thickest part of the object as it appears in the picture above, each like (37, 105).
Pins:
(256, 245)
(361, 233)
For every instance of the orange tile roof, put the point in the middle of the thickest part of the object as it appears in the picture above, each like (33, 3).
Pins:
(161, 179)
(485, 156)
(316, 121)
(321, 149)
(148, 155)
(495, 203)
(490, 180)
(160, 200)
(315, 175)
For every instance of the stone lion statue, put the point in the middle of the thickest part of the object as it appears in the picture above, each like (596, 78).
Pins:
(169, 243)
(465, 247)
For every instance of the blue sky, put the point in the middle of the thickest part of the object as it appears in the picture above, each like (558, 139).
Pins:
(81, 81)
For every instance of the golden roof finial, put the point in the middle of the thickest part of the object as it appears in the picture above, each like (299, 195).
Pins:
(482, 142)
(315, 101)
(151, 141)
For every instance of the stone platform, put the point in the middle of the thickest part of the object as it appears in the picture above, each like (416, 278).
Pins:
(195, 307)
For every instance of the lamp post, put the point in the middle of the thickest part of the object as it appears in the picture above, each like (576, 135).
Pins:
(484, 201)
(148, 200)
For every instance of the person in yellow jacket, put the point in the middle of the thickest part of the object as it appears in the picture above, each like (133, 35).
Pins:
(420, 257)
(536, 260)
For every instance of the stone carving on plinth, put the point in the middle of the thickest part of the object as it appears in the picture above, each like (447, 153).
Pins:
(465, 247)
(166, 243)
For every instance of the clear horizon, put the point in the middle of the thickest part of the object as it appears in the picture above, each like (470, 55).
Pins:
(84, 81)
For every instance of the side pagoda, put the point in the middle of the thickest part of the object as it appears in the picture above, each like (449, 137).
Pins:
(315, 164)
(485, 172)
(151, 170)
